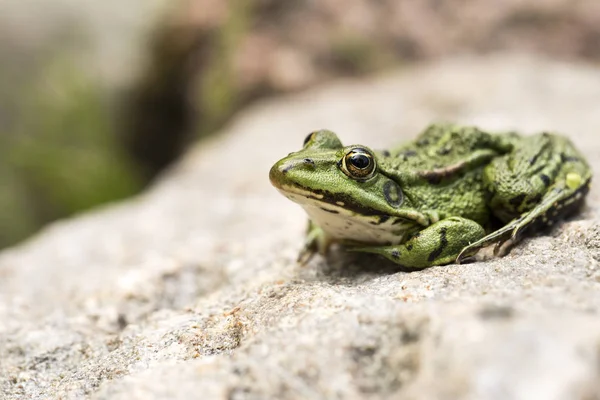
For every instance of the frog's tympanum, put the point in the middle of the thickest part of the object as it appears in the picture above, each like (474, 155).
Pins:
(436, 200)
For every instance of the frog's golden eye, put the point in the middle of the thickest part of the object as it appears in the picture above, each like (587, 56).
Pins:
(358, 163)
(308, 138)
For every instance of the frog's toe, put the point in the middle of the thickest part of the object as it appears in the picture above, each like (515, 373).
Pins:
(497, 247)
(502, 247)
(317, 241)
(465, 259)
(366, 249)
(505, 247)
(467, 255)
(305, 256)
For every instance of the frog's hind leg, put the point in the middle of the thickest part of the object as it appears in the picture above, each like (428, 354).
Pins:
(542, 181)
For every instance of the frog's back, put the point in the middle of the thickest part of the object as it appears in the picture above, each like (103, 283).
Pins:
(442, 145)
(441, 171)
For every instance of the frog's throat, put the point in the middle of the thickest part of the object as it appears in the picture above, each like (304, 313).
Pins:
(346, 206)
(341, 227)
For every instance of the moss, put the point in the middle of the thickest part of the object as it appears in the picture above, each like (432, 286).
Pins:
(219, 96)
(61, 155)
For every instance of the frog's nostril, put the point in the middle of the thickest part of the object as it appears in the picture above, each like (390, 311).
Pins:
(283, 167)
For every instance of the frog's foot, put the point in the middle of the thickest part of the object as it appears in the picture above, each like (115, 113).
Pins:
(317, 241)
(438, 244)
(562, 199)
(500, 237)
(542, 181)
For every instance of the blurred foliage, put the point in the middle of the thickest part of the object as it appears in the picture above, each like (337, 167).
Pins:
(219, 94)
(60, 155)
(68, 144)
(188, 88)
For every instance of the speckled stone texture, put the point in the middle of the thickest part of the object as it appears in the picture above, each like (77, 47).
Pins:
(191, 290)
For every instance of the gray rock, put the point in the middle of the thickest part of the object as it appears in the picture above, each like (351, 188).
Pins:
(191, 290)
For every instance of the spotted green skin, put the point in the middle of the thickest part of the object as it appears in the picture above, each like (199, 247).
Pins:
(438, 199)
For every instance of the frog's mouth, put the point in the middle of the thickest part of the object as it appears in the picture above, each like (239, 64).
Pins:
(327, 201)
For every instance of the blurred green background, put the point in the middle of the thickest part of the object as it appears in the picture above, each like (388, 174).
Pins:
(97, 98)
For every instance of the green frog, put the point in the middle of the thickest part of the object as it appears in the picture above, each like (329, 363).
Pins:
(436, 200)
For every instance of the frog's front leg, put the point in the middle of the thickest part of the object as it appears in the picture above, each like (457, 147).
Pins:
(316, 241)
(438, 244)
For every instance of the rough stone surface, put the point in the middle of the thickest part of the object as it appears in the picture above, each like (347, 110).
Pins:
(191, 290)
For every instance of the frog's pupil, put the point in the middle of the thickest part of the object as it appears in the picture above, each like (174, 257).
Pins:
(360, 161)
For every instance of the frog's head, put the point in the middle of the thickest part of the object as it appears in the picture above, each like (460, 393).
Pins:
(337, 182)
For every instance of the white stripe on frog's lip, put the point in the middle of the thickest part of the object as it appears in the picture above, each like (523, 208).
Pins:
(308, 199)
(285, 189)
(302, 197)
(401, 217)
